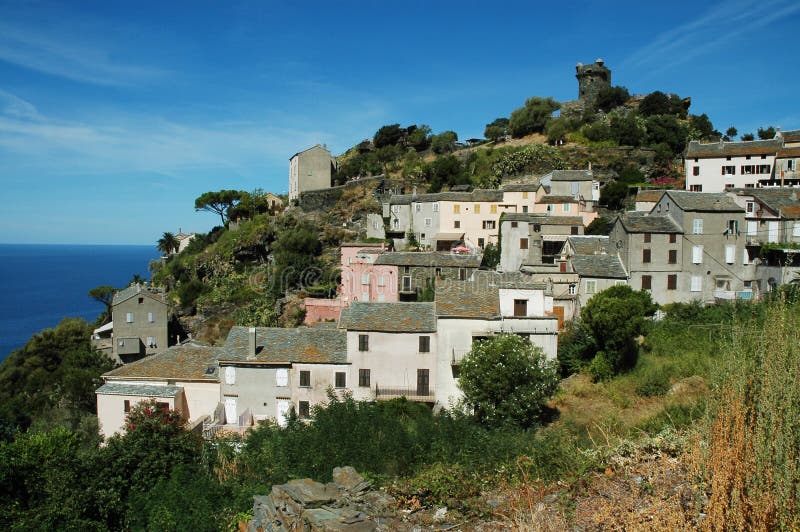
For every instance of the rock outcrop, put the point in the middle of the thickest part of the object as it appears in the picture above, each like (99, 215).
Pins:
(348, 504)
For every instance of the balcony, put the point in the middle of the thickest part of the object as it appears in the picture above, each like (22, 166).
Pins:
(730, 295)
(458, 355)
(422, 394)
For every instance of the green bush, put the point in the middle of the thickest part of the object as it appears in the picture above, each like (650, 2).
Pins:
(654, 382)
(601, 368)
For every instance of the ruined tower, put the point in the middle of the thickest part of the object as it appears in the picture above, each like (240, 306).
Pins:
(591, 79)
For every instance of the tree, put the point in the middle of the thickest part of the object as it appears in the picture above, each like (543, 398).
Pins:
(599, 226)
(631, 175)
(655, 103)
(446, 170)
(766, 133)
(218, 202)
(613, 195)
(388, 135)
(533, 116)
(611, 97)
(558, 129)
(168, 244)
(615, 317)
(491, 257)
(702, 126)
(627, 130)
(295, 258)
(104, 294)
(444, 142)
(730, 133)
(418, 137)
(666, 129)
(496, 129)
(507, 380)
(747, 136)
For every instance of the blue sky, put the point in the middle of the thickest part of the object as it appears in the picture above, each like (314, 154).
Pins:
(114, 116)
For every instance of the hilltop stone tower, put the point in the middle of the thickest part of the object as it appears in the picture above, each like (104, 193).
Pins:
(591, 79)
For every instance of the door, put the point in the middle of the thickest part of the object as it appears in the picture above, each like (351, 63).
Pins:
(283, 411)
(559, 314)
(423, 382)
(772, 232)
(230, 410)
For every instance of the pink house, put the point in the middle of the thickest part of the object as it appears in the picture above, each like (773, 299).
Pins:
(362, 280)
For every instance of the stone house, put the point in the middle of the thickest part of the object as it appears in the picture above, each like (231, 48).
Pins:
(689, 247)
(311, 169)
(362, 278)
(183, 378)
(646, 199)
(718, 166)
(413, 272)
(140, 315)
(569, 193)
(534, 240)
(523, 196)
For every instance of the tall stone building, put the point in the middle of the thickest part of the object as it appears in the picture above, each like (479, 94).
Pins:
(310, 169)
(591, 80)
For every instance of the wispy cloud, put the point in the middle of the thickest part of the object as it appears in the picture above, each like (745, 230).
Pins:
(70, 55)
(726, 22)
(13, 105)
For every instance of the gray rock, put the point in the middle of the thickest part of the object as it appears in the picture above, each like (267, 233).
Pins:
(309, 493)
(348, 479)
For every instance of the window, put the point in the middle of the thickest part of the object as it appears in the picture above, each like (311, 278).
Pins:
(728, 185)
(363, 342)
(565, 207)
(493, 209)
(141, 300)
(733, 227)
(428, 222)
(457, 224)
(395, 208)
(341, 379)
(697, 226)
(573, 231)
(524, 195)
(462, 274)
(672, 282)
(162, 407)
(697, 283)
(424, 344)
(672, 256)
(514, 225)
(406, 283)
(437, 272)
(303, 410)
(305, 379)
(673, 238)
(381, 280)
(456, 209)
(645, 256)
(646, 237)
(523, 243)
(423, 381)
(747, 157)
(520, 307)
(230, 375)
(796, 229)
(572, 289)
(697, 254)
(126, 406)
(129, 317)
(591, 286)
(477, 208)
(150, 317)
(549, 208)
(489, 224)
(695, 170)
(562, 267)
(748, 169)
(363, 378)
(481, 243)
(282, 377)
(151, 341)
(647, 282)
(435, 207)
(696, 188)
(524, 208)
(730, 254)
(417, 207)
(365, 278)
(764, 169)
(728, 170)
(750, 207)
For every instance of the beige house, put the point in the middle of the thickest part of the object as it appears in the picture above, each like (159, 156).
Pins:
(140, 315)
(183, 378)
(534, 240)
(311, 169)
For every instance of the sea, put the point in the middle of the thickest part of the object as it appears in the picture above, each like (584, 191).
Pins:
(40, 284)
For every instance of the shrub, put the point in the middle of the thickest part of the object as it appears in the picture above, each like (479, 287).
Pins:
(601, 368)
(533, 116)
(654, 382)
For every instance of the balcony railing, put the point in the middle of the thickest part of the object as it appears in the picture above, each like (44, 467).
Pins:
(458, 355)
(419, 393)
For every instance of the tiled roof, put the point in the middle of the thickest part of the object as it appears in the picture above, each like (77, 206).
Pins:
(697, 150)
(785, 200)
(188, 361)
(139, 390)
(704, 201)
(541, 219)
(477, 195)
(639, 222)
(465, 299)
(598, 266)
(278, 345)
(389, 317)
(649, 195)
(588, 245)
(570, 175)
(790, 152)
(791, 136)
(138, 290)
(558, 199)
(430, 259)
(522, 187)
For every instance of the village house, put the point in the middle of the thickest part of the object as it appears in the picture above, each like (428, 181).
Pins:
(718, 166)
(534, 240)
(311, 169)
(183, 239)
(183, 378)
(569, 193)
(140, 315)
(689, 247)
(414, 272)
(646, 199)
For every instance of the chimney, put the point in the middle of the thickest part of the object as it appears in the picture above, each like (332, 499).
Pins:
(251, 343)
(535, 251)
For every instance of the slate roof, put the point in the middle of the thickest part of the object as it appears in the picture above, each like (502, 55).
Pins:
(389, 317)
(541, 219)
(477, 195)
(697, 150)
(506, 280)
(785, 200)
(790, 152)
(429, 259)
(791, 136)
(649, 195)
(558, 199)
(704, 201)
(522, 187)
(361, 245)
(570, 175)
(588, 245)
(139, 390)
(465, 299)
(639, 222)
(275, 345)
(188, 361)
(309, 149)
(598, 266)
(137, 290)
(370, 251)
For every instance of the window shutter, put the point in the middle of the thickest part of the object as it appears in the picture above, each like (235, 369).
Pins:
(730, 254)
(697, 254)
(697, 226)
(697, 283)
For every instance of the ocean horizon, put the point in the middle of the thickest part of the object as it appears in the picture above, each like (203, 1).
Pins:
(42, 284)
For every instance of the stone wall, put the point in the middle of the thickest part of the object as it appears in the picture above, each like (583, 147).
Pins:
(321, 310)
(322, 200)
